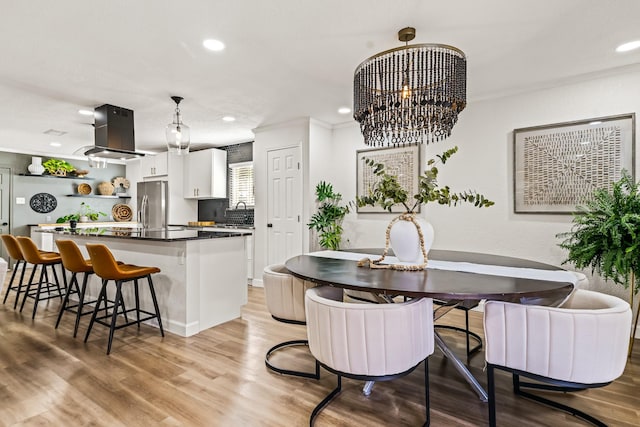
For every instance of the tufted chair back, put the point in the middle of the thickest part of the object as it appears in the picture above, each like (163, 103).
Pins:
(368, 339)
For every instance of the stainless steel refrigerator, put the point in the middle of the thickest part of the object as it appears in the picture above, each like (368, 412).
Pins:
(153, 200)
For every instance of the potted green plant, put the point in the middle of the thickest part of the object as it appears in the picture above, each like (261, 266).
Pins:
(58, 167)
(327, 221)
(605, 236)
(84, 214)
(409, 236)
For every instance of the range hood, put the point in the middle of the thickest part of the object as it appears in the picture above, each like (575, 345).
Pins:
(114, 137)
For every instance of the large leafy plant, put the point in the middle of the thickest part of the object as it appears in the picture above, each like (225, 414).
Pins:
(387, 191)
(327, 221)
(605, 233)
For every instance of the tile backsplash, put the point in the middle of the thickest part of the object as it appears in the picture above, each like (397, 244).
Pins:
(218, 210)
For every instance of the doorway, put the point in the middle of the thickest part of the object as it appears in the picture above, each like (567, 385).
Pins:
(284, 204)
(5, 206)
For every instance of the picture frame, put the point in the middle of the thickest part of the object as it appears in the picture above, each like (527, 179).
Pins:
(557, 167)
(404, 162)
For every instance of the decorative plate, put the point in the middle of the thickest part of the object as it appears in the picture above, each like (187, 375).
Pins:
(43, 202)
(122, 212)
(84, 189)
(120, 181)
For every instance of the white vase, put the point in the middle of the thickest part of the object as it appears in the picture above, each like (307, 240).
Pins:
(36, 168)
(405, 240)
(83, 218)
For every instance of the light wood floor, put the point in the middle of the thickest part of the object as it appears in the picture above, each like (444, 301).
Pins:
(218, 378)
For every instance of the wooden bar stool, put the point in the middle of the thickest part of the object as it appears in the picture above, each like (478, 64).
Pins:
(74, 262)
(106, 267)
(13, 249)
(43, 260)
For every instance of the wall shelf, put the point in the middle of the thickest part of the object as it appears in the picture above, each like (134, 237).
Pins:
(98, 196)
(57, 176)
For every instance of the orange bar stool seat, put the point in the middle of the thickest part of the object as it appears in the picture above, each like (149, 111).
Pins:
(106, 267)
(13, 249)
(45, 289)
(75, 263)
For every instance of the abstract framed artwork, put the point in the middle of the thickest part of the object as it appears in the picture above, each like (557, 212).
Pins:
(403, 162)
(557, 167)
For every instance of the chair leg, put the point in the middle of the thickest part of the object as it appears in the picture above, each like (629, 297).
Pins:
(24, 266)
(65, 301)
(155, 303)
(491, 391)
(313, 375)
(137, 298)
(571, 410)
(55, 278)
(43, 276)
(325, 401)
(26, 292)
(114, 317)
(80, 302)
(102, 296)
(427, 404)
(13, 276)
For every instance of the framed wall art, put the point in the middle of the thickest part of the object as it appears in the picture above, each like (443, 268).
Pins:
(404, 162)
(557, 167)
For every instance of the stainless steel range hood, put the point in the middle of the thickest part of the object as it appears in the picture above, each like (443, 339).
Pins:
(114, 136)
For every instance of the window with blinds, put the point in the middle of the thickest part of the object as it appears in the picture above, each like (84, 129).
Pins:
(241, 184)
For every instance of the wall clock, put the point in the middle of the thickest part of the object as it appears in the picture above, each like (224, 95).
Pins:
(43, 202)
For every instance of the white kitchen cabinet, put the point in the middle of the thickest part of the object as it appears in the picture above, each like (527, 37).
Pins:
(155, 165)
(205, 174)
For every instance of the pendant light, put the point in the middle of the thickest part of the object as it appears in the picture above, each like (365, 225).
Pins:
(411, 94)
(177, 132)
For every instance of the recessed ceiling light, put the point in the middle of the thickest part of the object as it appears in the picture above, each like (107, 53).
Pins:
(214, 45)
(344, 110)
(596, 122)
(55, 144)
(86, 112)
(626, 47)
(229, 119)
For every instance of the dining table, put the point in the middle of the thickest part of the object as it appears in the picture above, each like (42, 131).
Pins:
(451, 276)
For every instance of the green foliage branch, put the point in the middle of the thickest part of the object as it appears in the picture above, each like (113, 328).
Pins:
(327, 221)
(605, 233)
(387, 191)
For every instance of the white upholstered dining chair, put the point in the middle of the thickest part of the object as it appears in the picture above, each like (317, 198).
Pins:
(284, 294)
(581, 344)
(368, 342)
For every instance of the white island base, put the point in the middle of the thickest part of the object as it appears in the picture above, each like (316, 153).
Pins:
(203, 282)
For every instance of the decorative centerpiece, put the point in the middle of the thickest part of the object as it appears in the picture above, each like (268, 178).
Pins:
(105, 188)
(85, 214)
(409, 236)
(605, 237)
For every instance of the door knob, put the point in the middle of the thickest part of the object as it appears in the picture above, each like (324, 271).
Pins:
(5, 224)
(270, 225)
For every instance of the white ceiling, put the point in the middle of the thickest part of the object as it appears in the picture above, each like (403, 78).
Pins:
(284, 58)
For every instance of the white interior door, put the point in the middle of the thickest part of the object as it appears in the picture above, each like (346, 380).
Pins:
(284, 205)
(5, 205)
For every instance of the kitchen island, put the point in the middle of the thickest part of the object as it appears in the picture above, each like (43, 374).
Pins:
(203, 280)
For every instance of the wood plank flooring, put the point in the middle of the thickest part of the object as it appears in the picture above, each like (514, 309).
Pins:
(218, 378)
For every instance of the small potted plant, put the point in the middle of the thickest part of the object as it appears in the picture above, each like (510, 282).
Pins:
(87, 213)
(409, 236)
(58, 167)
(327, 221)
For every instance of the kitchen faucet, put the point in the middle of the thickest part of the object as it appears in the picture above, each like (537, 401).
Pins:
(245, 217)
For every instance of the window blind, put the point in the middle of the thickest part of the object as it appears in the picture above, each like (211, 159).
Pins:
(241, 188)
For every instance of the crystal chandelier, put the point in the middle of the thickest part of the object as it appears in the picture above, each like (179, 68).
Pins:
(177, 132)
(411, 94)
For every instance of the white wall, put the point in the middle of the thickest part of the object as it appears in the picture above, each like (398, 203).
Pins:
(485, 163)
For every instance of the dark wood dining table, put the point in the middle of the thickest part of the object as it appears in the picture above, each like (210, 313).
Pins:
(448, 285)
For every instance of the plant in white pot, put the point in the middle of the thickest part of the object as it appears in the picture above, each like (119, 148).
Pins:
(409, 236)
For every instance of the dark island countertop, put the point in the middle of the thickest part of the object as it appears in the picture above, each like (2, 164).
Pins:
(168, 234)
